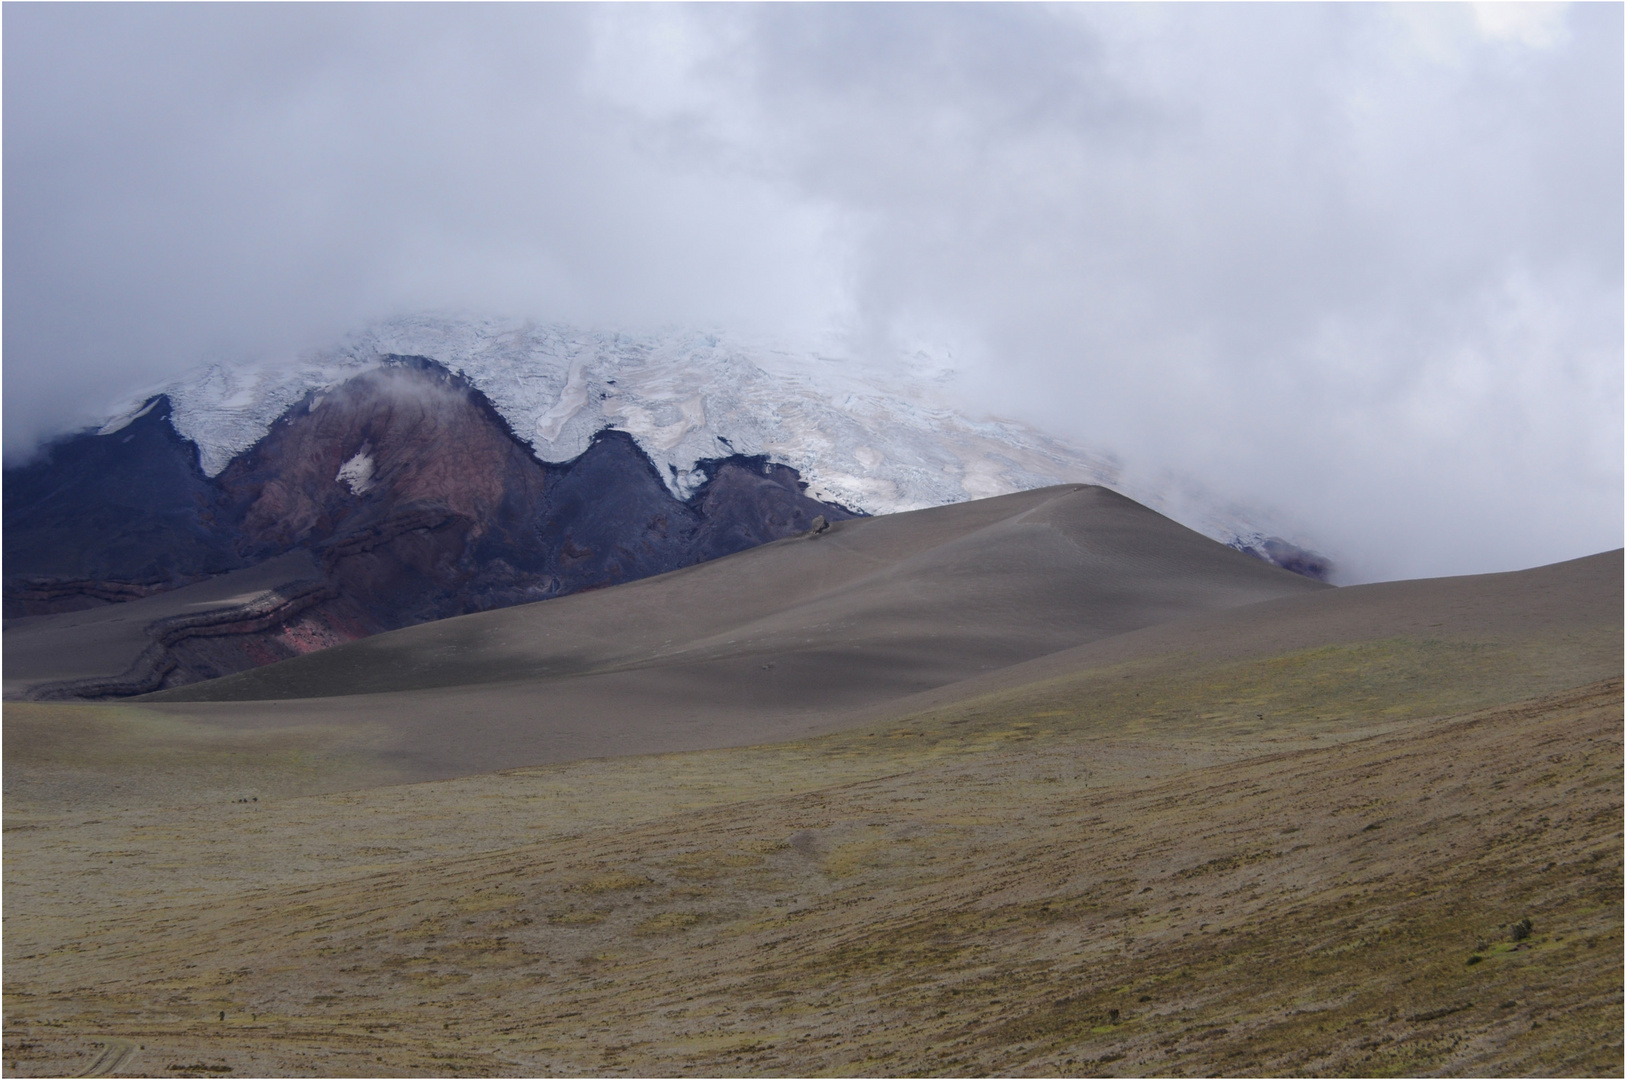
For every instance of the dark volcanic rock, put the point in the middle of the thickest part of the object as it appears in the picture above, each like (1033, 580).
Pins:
(410, 489)
(748, 501)
(101, 518)
(1290, 557)
(608, 518)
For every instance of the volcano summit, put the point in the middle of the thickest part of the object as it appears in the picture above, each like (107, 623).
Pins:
(517, 464)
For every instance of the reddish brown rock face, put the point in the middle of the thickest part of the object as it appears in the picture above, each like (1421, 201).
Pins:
(389, 438)
(410, 489)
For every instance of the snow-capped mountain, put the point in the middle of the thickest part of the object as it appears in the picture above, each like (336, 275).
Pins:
(877, 438)
(394, 497)
(430, 468)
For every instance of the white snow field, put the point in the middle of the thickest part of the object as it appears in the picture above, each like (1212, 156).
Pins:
(874, 438)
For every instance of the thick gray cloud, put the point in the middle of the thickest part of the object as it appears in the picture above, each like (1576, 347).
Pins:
(1360, 264)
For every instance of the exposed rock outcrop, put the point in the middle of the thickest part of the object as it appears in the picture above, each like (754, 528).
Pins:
(1290, 557)
(187, 648)
(97, 519)
(416, 498)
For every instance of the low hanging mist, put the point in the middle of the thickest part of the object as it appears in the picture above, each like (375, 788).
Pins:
(1361, 265)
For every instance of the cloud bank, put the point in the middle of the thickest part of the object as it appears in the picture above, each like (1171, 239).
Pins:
(1360, 264)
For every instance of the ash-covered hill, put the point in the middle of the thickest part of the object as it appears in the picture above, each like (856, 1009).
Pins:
(752, 646)
(408, 488)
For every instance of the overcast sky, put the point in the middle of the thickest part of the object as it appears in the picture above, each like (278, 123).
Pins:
(1361, 265)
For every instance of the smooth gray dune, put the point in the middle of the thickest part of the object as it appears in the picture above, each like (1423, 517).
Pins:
(1566, 618)
(773, 643)
(871, 608)
(1571, 611)
(879, 619)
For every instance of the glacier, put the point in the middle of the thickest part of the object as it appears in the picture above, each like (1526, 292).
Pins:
(877, 437)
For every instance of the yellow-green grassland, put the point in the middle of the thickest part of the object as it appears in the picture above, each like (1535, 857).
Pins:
(1399, 856)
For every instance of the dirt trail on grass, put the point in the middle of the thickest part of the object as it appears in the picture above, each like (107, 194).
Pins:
(113, 1056)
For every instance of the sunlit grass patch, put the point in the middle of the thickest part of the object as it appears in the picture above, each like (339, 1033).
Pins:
(486, 900)
(1329, 689)
(614, 882)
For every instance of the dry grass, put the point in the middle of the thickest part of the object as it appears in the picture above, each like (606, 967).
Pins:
(1281, 865)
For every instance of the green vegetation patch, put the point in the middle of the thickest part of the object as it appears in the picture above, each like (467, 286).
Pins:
(1328, 690)
(75, 754)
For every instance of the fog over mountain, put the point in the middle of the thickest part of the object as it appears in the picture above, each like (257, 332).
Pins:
(1360, 265)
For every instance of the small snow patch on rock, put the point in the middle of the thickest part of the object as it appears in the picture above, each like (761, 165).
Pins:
(357, 472)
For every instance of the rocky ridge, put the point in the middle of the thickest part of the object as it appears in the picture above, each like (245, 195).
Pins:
(408, 487)
(878, 433)
(521, 463)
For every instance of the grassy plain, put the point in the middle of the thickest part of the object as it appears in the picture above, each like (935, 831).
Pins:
(1307, 862)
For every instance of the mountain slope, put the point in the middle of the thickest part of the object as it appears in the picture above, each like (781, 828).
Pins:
(596, 681)
(769, 643)
(406, 487)
(873, 433)
(1371, 830)
(101, 519)
(521, 464)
